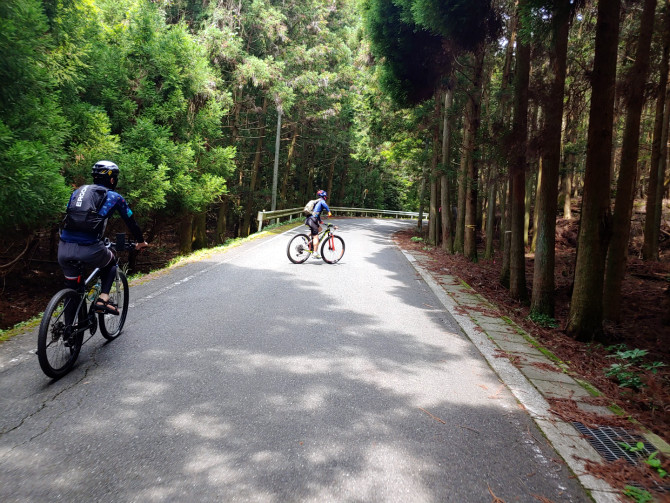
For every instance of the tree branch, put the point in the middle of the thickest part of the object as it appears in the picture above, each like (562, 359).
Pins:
(9, 264)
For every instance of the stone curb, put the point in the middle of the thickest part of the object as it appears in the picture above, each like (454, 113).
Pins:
(499, 340)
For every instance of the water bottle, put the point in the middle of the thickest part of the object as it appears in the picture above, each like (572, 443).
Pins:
(94, 292)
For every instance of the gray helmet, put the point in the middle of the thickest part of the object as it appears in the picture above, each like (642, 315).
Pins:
(105, 173)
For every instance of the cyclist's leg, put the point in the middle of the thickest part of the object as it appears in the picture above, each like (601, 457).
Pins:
(314, 232)
(103, 258)
(69, 259)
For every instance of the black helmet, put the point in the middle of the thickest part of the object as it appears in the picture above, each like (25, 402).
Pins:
(104, 172)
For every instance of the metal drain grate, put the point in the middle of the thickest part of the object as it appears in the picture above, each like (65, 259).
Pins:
(607, 440)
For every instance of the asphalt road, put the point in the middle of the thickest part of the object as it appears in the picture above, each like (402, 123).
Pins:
(244, 377)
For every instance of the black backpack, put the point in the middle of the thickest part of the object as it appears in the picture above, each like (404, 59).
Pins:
(83, 210)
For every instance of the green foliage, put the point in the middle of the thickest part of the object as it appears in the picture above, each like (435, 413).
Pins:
(32, 126)
(638, 447)
(638, 495)
(411, 65)
(623, 373)
(31, 188)
(163, 88)
(542, 320)
(629, 372)
(652, 460)
(656, 464)
(466, 22)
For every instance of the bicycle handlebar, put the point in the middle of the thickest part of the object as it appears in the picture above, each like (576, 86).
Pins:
(121, 244)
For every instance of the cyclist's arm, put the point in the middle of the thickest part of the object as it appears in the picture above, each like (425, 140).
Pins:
(324, 207)
(117, 203)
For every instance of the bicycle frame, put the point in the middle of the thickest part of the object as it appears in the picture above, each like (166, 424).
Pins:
(325, 233)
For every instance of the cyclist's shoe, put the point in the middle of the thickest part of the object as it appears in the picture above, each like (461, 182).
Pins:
(316, 256)
(105, 307)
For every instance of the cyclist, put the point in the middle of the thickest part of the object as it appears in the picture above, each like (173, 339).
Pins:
(314, 220)
(88, 210)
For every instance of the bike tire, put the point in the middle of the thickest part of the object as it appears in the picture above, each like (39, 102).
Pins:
(112, 324)
(332, 249)
(298, 249)
(57, 346)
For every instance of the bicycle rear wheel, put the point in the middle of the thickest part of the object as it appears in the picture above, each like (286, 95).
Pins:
(298, 249)
(111, 324)
(61, 333)
(332, 249)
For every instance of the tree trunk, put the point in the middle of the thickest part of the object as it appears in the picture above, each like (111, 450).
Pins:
(540, 169)
(490, 218)
(246, 227)
(542, 301)
(283, 201)
(422, 193)
(445, 200)
(517, 169)
(185, 234)
(433, 220)
(534, 164)
(505, 233)
(617, 255)
(586, 307)
(462, 173)
(471, 192)
(331, 173)
(222, 221)
(309, 176)
(566, 186)
(652, 217)
(343, 181)
(528, 206)
(200, 230)
(504, 185)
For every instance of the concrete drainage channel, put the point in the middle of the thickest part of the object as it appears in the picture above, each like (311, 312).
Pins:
(534, 379)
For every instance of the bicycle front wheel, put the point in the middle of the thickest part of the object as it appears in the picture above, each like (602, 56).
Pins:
(111, 324)
(60, 336)
(298, 249)
(332, 249)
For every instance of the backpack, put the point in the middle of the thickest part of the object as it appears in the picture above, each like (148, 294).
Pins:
(82, 211)
(309, 207)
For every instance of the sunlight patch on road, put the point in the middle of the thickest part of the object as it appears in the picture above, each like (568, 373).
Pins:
(204, 426)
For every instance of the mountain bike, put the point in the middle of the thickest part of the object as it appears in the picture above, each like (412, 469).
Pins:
(299, 248)
(70, 313)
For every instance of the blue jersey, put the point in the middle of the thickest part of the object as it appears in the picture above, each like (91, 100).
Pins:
(319, 207)
(113, 202)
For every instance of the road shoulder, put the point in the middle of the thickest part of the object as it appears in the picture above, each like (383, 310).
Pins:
(530, 372)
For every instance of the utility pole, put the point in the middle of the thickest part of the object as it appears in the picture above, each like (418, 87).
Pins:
(276, 169)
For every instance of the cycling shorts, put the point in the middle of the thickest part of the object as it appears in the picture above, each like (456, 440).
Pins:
(93, 255)
(313, 224)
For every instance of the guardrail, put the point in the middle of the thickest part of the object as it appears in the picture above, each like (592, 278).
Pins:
(291, 212)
